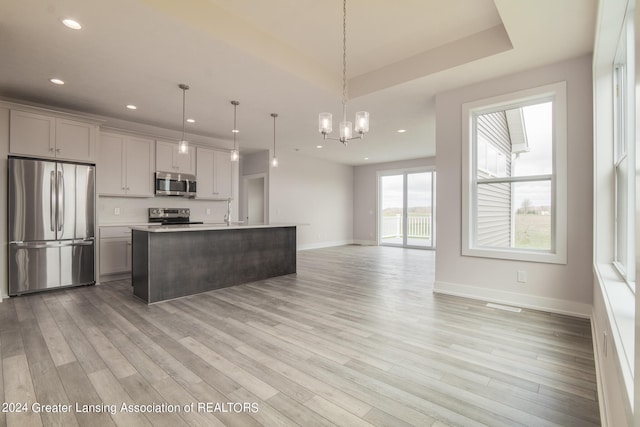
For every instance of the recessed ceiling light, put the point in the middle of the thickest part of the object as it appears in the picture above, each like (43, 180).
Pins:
(366, 158)
(235, 131)
(56, 81)
(402, 130)
(191, 120)
(318, 146)
(70, 23)
(131, 107)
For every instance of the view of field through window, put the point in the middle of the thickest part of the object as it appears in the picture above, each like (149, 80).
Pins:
(514, 165)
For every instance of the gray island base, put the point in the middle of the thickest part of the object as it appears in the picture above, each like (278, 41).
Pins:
(173, 262)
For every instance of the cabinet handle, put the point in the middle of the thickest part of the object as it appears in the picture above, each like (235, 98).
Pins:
(50, 150)
(128, 188)
(57, 150)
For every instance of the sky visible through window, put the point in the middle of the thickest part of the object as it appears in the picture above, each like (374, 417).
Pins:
(539, 159)
(418, 194)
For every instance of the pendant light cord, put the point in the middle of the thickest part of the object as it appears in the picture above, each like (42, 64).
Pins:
(184, 92)
(344, 60)
(274, 115)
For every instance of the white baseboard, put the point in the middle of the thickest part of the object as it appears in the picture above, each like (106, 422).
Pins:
(320, 245)
(551, 305)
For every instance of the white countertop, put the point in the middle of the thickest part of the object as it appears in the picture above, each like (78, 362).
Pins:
(204, 227)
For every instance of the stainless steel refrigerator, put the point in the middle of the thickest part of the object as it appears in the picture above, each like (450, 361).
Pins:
(51, 225)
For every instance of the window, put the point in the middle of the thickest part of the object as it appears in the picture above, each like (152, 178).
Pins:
(623, 163)
(514, 200)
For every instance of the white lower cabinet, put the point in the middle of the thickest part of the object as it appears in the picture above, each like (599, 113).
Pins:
(115, 251)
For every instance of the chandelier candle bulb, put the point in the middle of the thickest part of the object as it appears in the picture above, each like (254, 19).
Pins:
(325, 125)
(346, 131)
(362, 122)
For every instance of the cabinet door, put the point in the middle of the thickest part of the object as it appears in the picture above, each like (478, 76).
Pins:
(75, 140)
(115, 256)
(32, 134)
(164, 156)
(110, 172)
(222, 178)
(185, 163)
(139, 167)
(204, 177)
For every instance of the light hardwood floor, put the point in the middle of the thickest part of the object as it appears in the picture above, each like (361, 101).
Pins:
(355, 338)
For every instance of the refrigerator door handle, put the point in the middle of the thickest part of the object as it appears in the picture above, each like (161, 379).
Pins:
(52, 192)
(53, 244)
(60, 202)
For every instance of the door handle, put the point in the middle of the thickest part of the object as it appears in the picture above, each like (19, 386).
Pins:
(52, 191)
(60, 201)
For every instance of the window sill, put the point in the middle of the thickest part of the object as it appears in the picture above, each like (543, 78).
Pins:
(517, 255)
(620, 305)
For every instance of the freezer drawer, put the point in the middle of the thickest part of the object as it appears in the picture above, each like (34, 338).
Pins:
(45, 265)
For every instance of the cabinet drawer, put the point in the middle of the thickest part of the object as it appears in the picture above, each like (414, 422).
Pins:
(115, 232)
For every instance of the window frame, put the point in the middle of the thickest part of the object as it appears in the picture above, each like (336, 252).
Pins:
(557, 94)
(624, 156)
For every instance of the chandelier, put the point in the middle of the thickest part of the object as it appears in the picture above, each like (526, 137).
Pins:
(325, 125)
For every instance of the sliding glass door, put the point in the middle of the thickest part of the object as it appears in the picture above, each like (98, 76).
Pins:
(406, 208)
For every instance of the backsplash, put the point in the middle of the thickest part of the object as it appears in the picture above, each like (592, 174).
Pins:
(136, 210)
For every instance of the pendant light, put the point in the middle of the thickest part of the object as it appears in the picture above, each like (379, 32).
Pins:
(235, 154)
(325, 125)
(183, 145)
(274, 160)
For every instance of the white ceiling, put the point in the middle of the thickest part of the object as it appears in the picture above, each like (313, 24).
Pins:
(280, 56)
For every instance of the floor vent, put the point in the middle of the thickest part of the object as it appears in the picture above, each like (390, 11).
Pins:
(504, 307)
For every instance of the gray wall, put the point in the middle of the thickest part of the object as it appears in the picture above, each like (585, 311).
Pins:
(554, 287)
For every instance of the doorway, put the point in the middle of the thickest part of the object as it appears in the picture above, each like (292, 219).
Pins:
(406, 208)
(255, 199)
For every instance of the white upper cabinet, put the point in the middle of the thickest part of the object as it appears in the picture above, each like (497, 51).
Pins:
(125, 165)
(214, 174)
(40, 135)
(169, 159)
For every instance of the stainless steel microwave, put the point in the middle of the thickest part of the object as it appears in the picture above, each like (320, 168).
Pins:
(175, 184)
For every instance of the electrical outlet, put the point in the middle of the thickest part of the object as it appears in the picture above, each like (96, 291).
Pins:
(116, 211)
(207, 211)
(522, 276)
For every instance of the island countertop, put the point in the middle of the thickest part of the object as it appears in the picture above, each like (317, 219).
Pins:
(204, 227)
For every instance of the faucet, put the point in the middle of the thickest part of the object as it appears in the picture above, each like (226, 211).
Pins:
(227, 217)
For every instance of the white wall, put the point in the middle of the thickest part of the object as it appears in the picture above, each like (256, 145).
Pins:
(365, 201)
(313, 192)
(559, 288)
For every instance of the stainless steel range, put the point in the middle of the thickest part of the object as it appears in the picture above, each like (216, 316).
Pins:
(170, 216)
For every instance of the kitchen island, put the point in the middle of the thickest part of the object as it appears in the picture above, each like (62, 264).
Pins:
(179, 260)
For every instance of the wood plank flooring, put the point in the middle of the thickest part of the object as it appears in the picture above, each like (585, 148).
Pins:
(355, 338)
